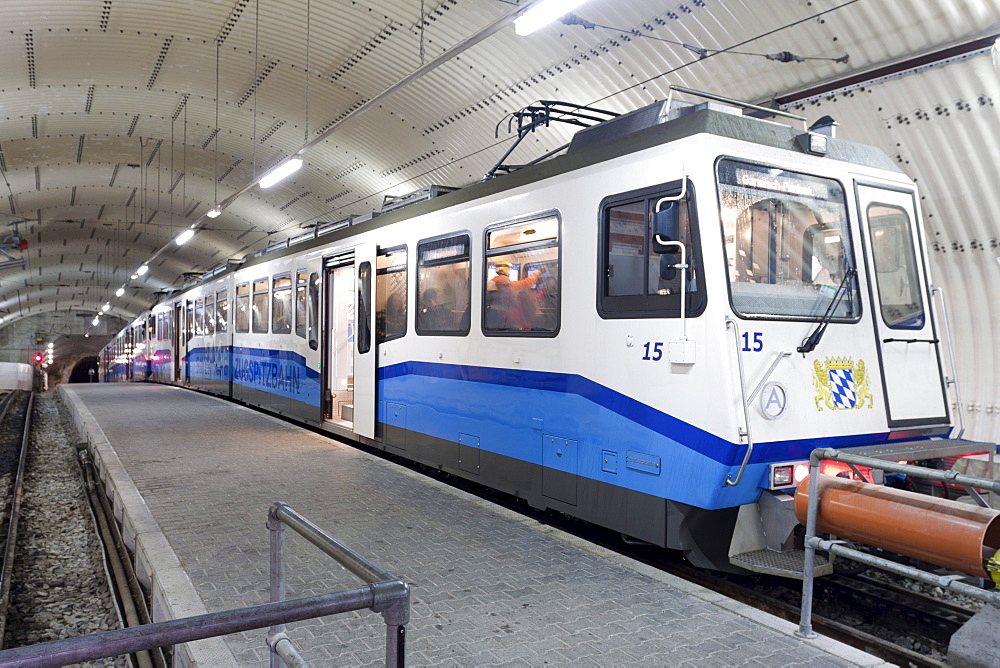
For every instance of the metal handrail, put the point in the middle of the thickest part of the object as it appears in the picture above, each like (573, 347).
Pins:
(813, 542)
(746, 415)
(393, 605)
(767, 374)
(680, 245)
(383, 593)
(954, 369)
(200, 627)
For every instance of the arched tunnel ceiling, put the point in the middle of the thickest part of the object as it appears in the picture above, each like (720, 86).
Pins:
(122, 122)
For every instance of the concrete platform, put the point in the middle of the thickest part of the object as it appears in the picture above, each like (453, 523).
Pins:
(193, 477)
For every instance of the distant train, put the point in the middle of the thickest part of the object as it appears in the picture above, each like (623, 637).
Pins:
(651, 332)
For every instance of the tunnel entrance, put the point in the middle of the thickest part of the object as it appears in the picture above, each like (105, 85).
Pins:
(81, 372)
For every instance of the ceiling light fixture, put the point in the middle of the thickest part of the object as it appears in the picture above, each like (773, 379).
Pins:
(119, 292)
(282, 171)
(106, 308)
(95, 321)
(214, 213)
(543, 14)
(141, 271)
(134, 276)
(184, 237)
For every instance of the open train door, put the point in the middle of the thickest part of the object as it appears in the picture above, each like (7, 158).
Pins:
(365, 355)
(348, 340)
(909, 348)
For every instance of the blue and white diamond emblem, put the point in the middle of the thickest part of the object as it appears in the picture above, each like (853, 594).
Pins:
(842, 391)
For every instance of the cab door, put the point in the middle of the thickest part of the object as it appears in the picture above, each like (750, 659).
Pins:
(909, 348)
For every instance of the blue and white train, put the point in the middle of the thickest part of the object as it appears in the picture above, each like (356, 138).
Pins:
(649, 332)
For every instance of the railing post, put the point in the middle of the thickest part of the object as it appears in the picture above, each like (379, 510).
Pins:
(396, 614)
(277, 582)
(808, 568)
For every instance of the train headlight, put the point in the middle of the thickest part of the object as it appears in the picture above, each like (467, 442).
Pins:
(787, 474)
(812, 142)
(781, 476)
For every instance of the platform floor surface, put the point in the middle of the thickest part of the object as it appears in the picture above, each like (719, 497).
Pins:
(489, 587)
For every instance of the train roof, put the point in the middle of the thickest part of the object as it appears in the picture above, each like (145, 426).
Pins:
(600, 143)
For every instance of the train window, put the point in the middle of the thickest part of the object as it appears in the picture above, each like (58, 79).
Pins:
(522, 277)
(209, 314)
(301, 303)
(313, 333)
(221, 311)
(895, 267)
(443, 286)
(787, 242)
(260, 306)
(639, 278)
(364, 307)
(199, 317)
(243, 308)
(390, 294)
(281, 305)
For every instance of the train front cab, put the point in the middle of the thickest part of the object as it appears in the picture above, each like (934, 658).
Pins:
(877, 377)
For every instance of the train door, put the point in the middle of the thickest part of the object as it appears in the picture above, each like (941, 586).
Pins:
(175, 335)
(129, 352)
(188, 333)
(349, 343)
(908, 345)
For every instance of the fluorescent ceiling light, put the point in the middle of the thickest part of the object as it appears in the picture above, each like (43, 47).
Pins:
(95, 321)
(543, 14)
(119, 292)
(141, 271)
(184, 237)
(106, 308)
(284, 170)
(214, 213)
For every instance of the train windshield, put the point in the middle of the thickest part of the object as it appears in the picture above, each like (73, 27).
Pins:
(787, 242)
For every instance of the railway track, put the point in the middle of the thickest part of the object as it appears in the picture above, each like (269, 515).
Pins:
(22, 468)
(15, 418)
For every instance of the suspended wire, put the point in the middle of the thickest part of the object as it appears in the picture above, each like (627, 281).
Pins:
(256, 62)
(215, 172)
(173, 176)
(184, 166)
(305, 133)
(702, 52)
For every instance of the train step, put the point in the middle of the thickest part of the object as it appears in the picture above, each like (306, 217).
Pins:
(786, 564)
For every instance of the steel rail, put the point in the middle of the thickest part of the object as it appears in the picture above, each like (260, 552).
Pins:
(123, 578)
(7, 572)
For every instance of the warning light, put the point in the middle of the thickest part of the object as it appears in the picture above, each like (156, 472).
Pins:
(38, 358)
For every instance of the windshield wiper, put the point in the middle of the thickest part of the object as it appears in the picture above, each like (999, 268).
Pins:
(810, 342)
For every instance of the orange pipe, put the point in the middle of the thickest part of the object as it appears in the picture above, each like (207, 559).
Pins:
(939, 531)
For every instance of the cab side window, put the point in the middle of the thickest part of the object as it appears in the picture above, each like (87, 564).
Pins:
(639, 276)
